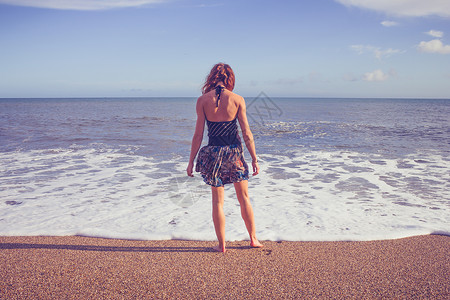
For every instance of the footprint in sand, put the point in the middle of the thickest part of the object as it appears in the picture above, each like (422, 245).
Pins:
(267, 251)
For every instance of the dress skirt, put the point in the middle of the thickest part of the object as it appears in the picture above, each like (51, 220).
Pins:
(220, 165)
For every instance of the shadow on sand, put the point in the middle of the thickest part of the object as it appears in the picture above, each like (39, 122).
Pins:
(4, 246)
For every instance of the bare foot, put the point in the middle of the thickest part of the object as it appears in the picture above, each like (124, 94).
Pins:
(220, 249)
(256, 244)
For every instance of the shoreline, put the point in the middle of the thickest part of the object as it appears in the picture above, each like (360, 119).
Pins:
(84, 267)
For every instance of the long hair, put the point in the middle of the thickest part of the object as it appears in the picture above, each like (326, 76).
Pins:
(220, 72)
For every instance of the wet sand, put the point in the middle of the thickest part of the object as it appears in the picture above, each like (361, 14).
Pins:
(92, 268)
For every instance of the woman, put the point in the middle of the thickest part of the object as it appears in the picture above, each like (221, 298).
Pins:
(222, 161)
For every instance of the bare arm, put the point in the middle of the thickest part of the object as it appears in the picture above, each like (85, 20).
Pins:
(197, 138)
(247, 135)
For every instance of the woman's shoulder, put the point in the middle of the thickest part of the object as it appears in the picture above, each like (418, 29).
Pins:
(202, 98)
(206, 95)
(236, 97)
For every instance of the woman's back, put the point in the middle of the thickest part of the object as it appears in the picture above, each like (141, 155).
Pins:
(227, 108)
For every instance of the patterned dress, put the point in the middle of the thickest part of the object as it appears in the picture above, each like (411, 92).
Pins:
(222, 160)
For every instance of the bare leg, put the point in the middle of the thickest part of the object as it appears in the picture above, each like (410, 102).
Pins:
(247, 211)
(218, 216)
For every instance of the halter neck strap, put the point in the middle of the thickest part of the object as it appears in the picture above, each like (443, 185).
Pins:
(219, 90)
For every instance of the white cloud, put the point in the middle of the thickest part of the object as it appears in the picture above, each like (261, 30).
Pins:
(389, 23)
(209, 5)
(350, 77)
(376, 75)
(388, 52)
(79, 4)
(434, 46)
(435, 33)
(410, 8)
(376, 51)
(358, 48)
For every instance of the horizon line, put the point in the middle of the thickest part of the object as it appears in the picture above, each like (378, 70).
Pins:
(245, 97)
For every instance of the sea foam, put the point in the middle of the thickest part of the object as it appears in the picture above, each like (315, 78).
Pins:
(300, 195)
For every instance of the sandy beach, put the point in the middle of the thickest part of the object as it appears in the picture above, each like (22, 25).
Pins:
(86, 268)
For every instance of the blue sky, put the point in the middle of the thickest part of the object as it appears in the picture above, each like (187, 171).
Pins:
(307, 48)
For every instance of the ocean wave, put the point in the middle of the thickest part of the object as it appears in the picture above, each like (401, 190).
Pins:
(301, 195)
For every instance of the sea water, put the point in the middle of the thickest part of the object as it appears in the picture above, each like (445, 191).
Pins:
(331, 169)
